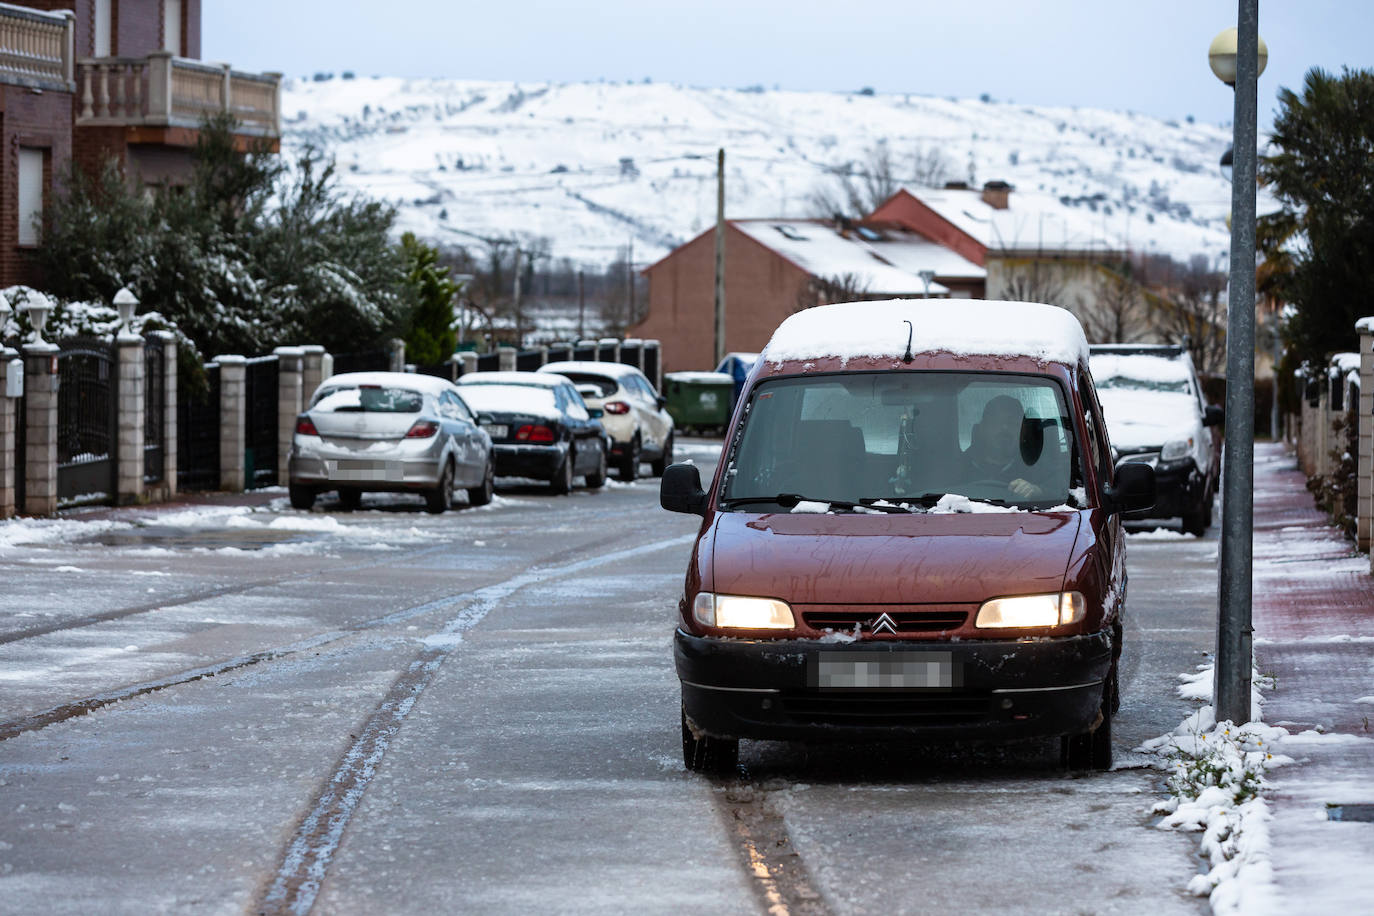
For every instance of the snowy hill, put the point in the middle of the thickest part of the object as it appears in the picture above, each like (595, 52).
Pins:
(591, 166)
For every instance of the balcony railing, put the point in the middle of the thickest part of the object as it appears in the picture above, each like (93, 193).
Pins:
(36, 48)
(165, 91)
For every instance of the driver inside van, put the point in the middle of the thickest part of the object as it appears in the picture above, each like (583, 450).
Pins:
(997, 452)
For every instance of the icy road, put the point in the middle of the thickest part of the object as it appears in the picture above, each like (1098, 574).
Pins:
(243, 708)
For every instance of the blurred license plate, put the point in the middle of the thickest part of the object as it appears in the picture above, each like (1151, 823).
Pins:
(357, 469)
(842, 670)
(497, 430)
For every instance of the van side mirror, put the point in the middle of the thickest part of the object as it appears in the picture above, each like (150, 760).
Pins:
(681, 490)
(1213, 416)
(1134, 488)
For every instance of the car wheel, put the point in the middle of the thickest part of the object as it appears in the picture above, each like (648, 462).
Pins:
(562, 482)
(597, 479)
(704, 754)
(350, 498)
(440, 499)
(481, 496)
(302, 497)
(660, 464)
(629, 462)
(1195, 520)
(1092, 749)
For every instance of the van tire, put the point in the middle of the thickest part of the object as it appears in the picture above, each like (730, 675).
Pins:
(1092, 749)
(705, 754)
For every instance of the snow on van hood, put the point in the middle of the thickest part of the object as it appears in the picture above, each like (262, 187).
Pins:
(892, 559)
(1138, 419)
(852, 330)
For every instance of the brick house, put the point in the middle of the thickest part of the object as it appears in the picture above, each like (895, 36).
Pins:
(774, 267)
(87, 80)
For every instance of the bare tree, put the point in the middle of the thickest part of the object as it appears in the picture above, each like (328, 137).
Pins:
(1195, 315)
(856, 188)
(930, 168)
(824, 290)
(1033, 280)
(1117, 312)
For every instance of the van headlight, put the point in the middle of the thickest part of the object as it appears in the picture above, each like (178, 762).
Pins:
(1031, 611)
(1175, 449)
(741, 613)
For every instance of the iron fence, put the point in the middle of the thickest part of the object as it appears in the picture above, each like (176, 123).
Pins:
(198, 423)
(86, 420)
(260, 424)
(154, 410)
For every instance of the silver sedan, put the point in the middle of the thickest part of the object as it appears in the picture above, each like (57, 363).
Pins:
(389, 432)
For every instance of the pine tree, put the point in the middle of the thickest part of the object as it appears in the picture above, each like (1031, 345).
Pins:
(431, 339)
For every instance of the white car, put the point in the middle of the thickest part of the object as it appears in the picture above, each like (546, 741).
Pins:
(632, 412)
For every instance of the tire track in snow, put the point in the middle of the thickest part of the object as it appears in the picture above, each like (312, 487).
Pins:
(305, 861)
(780, 877)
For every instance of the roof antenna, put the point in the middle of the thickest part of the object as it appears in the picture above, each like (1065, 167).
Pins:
(910, 332)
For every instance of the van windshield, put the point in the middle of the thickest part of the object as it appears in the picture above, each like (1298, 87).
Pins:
(906, 439)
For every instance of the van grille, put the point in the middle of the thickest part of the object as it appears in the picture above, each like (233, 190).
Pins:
(886, 708)
(907, 620)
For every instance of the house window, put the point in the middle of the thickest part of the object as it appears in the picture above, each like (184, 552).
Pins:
(104, 28)
(30, 194)
(171, 26)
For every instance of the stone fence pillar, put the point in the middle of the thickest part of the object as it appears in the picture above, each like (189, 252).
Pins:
(233, 413)
(313, 370)
(505, 358)
(290, 389)
(469, 360)
(1364, 530)
(543, 352)
(40, 428)
(397, 359)
(129, 420)
(11, 387)
(169, 410)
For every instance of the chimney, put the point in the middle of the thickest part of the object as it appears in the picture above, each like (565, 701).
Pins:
(996, 193)
(956, 185)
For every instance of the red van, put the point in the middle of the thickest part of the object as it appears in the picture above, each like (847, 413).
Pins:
(914, 530)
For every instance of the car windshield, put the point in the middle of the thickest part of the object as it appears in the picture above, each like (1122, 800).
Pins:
(906, 439)
(605, 387)
(1139, 372)
(370, 399)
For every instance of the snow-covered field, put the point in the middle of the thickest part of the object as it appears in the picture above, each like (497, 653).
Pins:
(592, 166)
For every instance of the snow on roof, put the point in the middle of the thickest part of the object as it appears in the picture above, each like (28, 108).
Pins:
(1138, 366)
(532, 379)
(430, 384)
(611, 370)
(1032, 221)
(819, 249)
(962, 326)
(523, 399)
(912, 253)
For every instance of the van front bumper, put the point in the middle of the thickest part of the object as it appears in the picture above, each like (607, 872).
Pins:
(999, 689)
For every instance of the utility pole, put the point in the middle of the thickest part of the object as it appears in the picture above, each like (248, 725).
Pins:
(581, 308)
(720, 255)
(1235, 657)
(516, 307)
(630, 281)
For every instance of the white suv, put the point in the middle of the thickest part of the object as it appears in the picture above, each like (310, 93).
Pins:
(632, 412)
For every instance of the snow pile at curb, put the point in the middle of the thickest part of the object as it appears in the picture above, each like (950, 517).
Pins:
(1216, 774)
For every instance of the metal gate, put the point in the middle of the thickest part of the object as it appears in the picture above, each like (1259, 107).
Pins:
(198, 424)
(154, 410)
(21, 448)
(86, 422)
(260, 424)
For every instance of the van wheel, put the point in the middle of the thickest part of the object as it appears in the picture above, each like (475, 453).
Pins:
(705, 754)
(1195, 521)
(1092, 749)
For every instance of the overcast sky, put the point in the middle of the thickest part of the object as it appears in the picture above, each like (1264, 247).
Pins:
(1140, 56)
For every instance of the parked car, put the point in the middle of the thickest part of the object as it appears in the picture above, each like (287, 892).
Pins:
(539, 427)
(389, 432)
(632, 412)
(914, 531)
(1156, 413)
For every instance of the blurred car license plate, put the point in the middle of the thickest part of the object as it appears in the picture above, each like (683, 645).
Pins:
(840, 670)
(357, 469)
(497, 430)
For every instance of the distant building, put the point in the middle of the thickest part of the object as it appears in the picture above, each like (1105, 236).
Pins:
(87, 80)
(774, 267)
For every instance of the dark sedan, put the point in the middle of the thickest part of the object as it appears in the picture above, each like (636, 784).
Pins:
(539, 427)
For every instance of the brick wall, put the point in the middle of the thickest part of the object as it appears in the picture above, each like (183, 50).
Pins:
(761, 289)
(29, 119)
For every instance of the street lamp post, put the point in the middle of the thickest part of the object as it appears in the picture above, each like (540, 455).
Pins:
(1237, 56)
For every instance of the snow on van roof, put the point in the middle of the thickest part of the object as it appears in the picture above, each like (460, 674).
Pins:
(850, 330)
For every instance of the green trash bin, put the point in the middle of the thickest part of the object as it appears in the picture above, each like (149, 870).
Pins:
(699, 401)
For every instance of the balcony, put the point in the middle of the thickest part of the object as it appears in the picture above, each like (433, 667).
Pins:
(36, 48)
(162, 91)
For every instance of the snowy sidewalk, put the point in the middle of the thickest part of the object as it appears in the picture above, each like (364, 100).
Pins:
(1314, 633)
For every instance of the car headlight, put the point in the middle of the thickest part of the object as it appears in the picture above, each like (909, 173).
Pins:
(738, 612)
(1032, 611)
(1176, 449)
